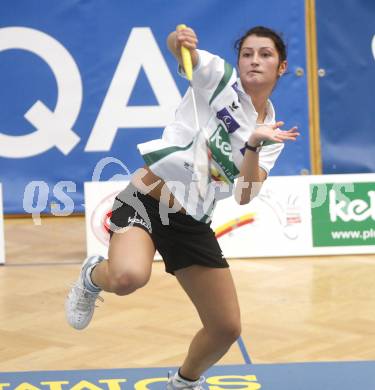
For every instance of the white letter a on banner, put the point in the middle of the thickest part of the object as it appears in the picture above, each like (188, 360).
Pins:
(141, 50)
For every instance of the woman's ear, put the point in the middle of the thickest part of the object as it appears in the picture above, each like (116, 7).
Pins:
(282, 68)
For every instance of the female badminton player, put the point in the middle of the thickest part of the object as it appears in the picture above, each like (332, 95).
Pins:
(163, 210)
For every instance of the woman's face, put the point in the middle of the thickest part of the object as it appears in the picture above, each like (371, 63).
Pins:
(258, 63)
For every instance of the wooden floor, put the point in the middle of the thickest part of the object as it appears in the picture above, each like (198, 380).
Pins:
(293, 309)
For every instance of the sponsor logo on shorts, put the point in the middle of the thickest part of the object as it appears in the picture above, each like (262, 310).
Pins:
(139, 221)
(228, 120)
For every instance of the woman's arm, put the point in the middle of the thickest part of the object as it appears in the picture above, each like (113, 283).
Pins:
(251, 176)
(183, 37)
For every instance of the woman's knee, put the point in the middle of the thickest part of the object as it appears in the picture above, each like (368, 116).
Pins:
(227, 331)
(128, 281)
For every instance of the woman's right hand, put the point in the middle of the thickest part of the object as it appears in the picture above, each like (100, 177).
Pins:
(186, 37)
(183, 37)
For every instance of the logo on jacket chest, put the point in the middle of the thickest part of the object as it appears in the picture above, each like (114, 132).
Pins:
(221, 149)
(228, 120)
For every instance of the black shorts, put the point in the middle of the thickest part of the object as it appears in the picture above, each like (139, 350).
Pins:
(180, 239)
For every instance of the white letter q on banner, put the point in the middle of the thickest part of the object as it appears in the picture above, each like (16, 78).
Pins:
(54, 128)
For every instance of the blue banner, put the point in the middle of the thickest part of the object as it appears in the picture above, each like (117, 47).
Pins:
(292, 376)
(82, 81)
(346, 54)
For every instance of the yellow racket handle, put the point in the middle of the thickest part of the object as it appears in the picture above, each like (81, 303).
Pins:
(186, 57)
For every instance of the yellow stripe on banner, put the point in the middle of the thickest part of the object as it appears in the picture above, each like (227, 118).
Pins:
(234, 222)
(313, 87)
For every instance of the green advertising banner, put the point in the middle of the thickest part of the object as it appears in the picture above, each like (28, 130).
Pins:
(343, 214)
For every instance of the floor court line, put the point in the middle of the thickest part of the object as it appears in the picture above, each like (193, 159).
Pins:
(245, 354)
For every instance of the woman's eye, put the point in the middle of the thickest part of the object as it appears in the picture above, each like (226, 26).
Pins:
(266, 54)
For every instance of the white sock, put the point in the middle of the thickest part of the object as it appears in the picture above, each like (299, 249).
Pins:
(89, 284)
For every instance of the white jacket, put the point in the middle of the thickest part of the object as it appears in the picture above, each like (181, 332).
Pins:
(228, 116)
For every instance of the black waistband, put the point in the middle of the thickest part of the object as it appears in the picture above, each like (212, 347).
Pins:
(131, 193)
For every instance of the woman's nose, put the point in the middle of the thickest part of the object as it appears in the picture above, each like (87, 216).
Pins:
(255, 59)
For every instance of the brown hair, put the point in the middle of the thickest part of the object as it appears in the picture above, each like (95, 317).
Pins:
(265, 32)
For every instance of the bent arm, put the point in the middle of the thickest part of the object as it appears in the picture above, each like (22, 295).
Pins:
(251, 178)
(251, 175)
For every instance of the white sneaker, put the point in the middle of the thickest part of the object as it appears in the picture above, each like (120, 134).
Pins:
(175, 382)
(80, 302)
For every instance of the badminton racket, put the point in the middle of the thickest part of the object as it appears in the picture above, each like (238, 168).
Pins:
(202, 153)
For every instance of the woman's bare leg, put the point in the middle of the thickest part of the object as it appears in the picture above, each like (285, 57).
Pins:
(129, 263)
(213, 293)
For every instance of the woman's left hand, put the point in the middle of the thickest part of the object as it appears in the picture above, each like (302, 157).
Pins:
(273, 133)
